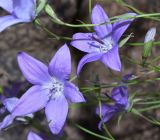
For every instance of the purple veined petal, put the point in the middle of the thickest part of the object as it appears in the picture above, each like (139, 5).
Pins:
(56, 113)
(88, 58)
(106, 118)
(60, 65)
(7, 21)
(102, 111)
(121, 26)
(10, 103)
(33, 136)
(72, 93)
(6, 121)
(33, 70)
(33, 100)
(111, 59)
(98, 17)
(107, 111)
(25, 9)
(84, 42)
(120, 96)
(7, 5)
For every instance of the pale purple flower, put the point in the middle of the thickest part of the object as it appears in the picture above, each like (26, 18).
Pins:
(103, 43)
(33, 136)
(51, 89)
(121, 103)
(19, 11)
(10, 104)
(9, 93)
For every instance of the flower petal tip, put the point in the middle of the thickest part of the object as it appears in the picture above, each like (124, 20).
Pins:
(19, 53)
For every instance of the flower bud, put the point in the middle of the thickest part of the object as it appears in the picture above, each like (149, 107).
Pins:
(149, 38)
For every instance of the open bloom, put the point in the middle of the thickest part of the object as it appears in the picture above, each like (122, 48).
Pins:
(9, 104)
(33, 136)
(103, 43)
(121, 103)
(19, 11)
(50, 89)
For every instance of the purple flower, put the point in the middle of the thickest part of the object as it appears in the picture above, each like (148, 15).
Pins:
(13, 91)
(50, 89)
(9, 93)
(103, 43)
(33, 136)
(19, 11)
(120, 98)
(10, 104)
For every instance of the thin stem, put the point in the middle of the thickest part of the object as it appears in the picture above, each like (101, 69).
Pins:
(149, 108)
(142, 44)
(92, 133)
(107, 131)
(90, 7)
(136, 10)
(51, 33)
(136, 112)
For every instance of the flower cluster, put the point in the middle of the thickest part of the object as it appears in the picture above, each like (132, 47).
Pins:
(52, 90)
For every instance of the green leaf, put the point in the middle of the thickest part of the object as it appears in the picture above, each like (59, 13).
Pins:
(124, 41)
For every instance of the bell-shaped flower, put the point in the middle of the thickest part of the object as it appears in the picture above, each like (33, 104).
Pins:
(103, 43)
(119, 96)
(19, 11)
(51, 89)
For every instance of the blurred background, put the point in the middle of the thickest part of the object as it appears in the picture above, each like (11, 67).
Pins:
(31, 39)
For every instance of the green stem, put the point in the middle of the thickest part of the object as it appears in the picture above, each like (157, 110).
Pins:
(107, 131)
(92, 133)
(149, 108)
(136, 112)
(136, 10)
(142, 44)
(90, 7)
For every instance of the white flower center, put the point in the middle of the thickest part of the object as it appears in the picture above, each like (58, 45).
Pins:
(55, 87)
(108, 44)
(102, 45)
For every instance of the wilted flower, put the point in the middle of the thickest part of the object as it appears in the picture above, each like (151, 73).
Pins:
(33, 136)
(103, 43)
(19, 11)
(51, 89)
(121, 103)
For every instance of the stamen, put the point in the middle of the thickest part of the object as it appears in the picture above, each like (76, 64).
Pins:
(55, 87)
